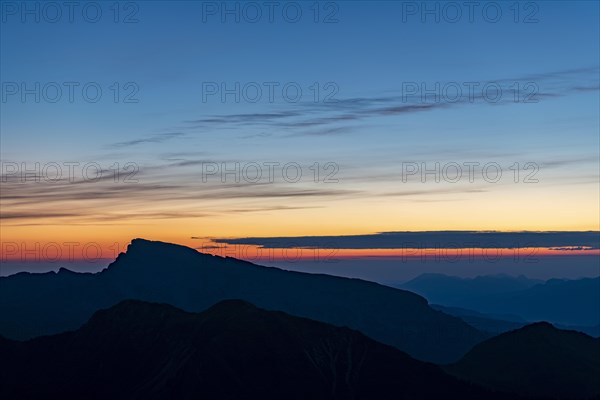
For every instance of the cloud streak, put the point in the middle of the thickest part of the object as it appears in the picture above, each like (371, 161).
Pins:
(156, 138)
(429, 239)
(550, 85)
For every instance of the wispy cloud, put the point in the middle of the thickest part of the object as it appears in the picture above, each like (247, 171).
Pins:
(155, 138)
(548, 85)
(169, 191)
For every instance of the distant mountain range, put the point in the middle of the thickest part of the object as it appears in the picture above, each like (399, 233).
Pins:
(537, 360)
(233, 350)
(565, 302)
(42, 304)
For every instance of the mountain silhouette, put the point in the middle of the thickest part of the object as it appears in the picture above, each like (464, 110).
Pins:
(536, 360)
(566, 302)
(233, 350)
(41, 304)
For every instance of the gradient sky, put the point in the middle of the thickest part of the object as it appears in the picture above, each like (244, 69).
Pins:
(369, 56)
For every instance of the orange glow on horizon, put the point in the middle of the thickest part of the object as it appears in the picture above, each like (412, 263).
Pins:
(73, 251)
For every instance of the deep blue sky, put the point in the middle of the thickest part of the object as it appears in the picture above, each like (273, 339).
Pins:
(369, 56)
(369, 53)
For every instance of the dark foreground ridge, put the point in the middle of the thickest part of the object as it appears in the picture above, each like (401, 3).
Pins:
(41, 304)
(536, 360)
(233, 350)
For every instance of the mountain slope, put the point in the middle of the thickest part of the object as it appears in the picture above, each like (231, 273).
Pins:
(32, 305)
(482, 322)
(537, 360)
(233, 350)
(496, 325)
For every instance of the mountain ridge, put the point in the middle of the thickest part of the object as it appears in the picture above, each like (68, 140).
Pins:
(538, 360)
(162, 272)
(232, 350)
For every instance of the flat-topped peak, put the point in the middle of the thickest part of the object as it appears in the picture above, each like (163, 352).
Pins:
(145, 246)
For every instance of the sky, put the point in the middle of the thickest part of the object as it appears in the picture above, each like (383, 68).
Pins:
(181, 120)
